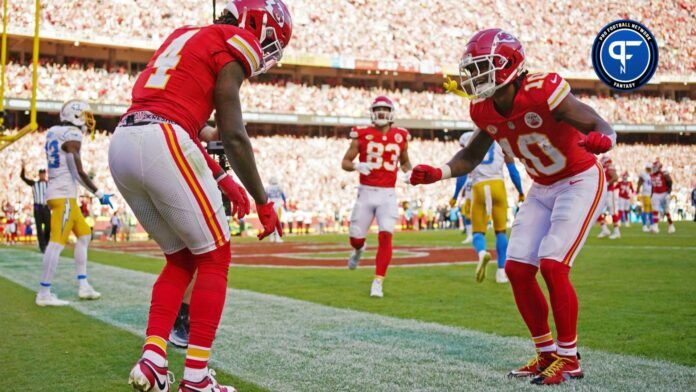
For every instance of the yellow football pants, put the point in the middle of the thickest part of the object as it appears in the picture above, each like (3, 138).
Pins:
(489, 198)
(646, 202)
(66, 217)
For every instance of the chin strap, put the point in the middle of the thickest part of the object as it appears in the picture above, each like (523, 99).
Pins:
(451, 86)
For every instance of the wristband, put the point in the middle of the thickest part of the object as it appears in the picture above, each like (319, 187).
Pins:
(98, 194)
(446, 172)
(221, 177)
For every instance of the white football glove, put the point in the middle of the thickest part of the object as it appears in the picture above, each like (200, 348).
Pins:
(407, 177)
(362, 167)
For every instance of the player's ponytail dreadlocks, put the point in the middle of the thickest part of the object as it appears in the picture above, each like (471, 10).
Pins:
(226, 18)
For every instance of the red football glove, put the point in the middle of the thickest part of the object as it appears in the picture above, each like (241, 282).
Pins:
(596, 143)
(424, 174)
(269, 220)
(236, 194)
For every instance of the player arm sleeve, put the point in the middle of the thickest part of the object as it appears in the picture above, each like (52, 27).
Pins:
(515, 176)
(461, 181)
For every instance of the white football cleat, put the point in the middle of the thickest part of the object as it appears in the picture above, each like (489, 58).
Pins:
(501, 276)
(50, 299)
(207, 384)
(671, 229)
(616, 234)
(148, 377)
(604, 233)
(354, 258)
(655, 229)
(88, 292)
(484, 258)
(467, 240)
(627, 224)
(376, 290)
(646, 229)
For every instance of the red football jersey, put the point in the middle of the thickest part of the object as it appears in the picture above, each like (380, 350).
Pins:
(625, 189)
(382, 151)
(179, 81)
(659, 182)
(548, 148)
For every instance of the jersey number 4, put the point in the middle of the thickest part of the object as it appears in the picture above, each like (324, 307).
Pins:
(168, 59)
(375, 156)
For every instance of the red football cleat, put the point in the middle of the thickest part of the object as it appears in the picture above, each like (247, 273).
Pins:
(535, 365)
(561, 370)
(207, 384)
(148, 377)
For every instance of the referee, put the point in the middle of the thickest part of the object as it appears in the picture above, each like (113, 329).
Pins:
(42, 214)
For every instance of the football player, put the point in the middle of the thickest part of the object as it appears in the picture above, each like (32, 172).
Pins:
(489, 199)
(535, 118)
(159, 166)
(65, 172)
(610, 205)
(644, 190)
(463, 185)
(661, 188)
(381, 149)
(625, 187)
(277, 196)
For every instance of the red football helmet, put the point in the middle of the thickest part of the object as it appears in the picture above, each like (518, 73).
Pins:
(382, 117)
(492, 58)
(605, 161)
(269, 21)
(624, 176)
(657, 166)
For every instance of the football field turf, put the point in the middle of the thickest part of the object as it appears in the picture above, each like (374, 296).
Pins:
(318, 330)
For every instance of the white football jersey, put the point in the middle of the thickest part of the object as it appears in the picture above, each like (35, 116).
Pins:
(61, 183)
(275, 194)
(646, 188)
(491, 167)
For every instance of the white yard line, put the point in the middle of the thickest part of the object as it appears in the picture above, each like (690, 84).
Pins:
(290, 345)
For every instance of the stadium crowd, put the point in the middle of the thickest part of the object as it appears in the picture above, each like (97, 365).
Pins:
(324, 194)
(404, 30)
(64, 81)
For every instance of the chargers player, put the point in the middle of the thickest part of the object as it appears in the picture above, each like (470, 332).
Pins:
(535, 118)
(661, 188)
(625, 187)
(171, 183)
(381, 149)
(489, 199)
(277, 196)
(65, 172)
(464, 185)
(610, 204)
(644, 190)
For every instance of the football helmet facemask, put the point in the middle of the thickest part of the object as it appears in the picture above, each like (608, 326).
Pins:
(382, 111)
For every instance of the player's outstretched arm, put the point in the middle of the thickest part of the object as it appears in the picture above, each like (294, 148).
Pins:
(462, 163)
(74, 161)
(601, 137)
(233, 133)
(22, 175)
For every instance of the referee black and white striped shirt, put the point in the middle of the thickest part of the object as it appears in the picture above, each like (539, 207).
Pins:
(38, 188)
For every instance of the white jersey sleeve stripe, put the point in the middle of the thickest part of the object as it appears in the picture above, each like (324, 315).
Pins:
(246, 50)
(558, 95)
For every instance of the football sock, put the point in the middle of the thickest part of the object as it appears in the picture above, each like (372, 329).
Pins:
(168, 292)
(384, 253)
(531, 303)
(155, 350)
(81, 258)
(669, 218)
(615, 220)
(50, 262)
(479, 242)
(501, 244)
(655, 217)
(207, 302)
(196, 364)
(357, 243)
(564, 303)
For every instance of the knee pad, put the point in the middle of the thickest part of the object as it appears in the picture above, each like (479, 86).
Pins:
(357, 243)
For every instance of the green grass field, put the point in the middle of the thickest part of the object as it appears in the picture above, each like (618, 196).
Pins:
(636, 295)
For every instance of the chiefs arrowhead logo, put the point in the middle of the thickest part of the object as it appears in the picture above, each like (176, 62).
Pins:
(369, 137)
(492, 129)
(398, 138)
(532, 120)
